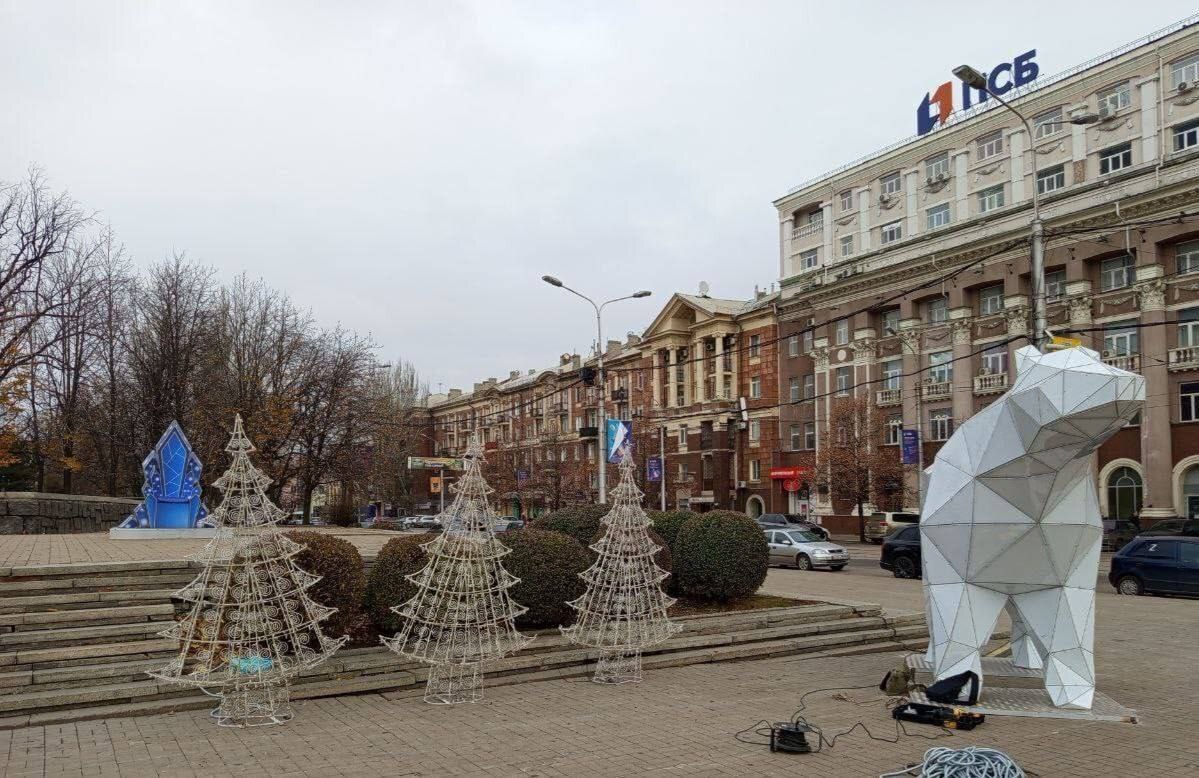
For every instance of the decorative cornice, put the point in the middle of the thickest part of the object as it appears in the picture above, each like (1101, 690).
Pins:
(962, 332)
(1080, 309)
(1152, 294)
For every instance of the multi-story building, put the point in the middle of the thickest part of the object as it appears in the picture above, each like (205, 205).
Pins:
(680, 383)
(905, 274)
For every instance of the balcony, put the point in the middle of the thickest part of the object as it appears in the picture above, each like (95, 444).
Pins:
(938, 391)
(588, 432)
(1185, 358)
(816, 226)
(886, 397)
(990, 383)
(1129, 362)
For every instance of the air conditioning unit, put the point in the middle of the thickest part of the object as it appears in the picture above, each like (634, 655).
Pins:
(1107, 354)
(1106, 111)
(883, 199)
(1185, 86)
(742, 485)
(984, 371)
(942, 176)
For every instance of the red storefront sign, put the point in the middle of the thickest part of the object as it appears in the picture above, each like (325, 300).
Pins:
(792, 484)
(790, 473)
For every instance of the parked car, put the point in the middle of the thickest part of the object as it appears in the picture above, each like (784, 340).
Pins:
(425, 522)
(1187, 527)
(901, 552)
(791, 521)
(804, 550)
(1117, 533)
(504, 524)
(1166, 564)
(880, 523)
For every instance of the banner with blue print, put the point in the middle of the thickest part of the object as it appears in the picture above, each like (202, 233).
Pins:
(620, 437)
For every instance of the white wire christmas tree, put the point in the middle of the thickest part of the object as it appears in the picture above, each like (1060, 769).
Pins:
(251, 626)
(624, 609)
(462, 614)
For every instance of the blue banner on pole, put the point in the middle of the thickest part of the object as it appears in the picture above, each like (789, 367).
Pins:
(911, 447)
(620, 437)
(653, 470)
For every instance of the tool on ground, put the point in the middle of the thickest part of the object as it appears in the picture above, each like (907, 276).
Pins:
(937, 715)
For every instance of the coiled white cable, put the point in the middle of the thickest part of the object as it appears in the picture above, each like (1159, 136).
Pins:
(968, 762)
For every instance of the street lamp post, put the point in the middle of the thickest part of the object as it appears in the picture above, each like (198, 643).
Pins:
(977, 80)
(603, 409)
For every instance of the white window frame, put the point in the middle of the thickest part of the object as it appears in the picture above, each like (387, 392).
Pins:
(894, 429)
(1120, 339)
(1185, 70)
(988, 301)
(1115, 158)
(936, 165)
(940, 425)
(755, 388)
(847, 245)
(989, 145)
(1047, 124)
(990, 199)
(893, 374)
(792, 346)
(809, 341)
(938, 216)
(994, 359)
(841, 332)
(846, 201)
(795, 391)
(1055, 285)
(1188, 328)
(1114, 97)
(809, 259)
(796, 437)
(936, 310)
(891, 232)
(890, 184)
(809, 386)
(1115, 273)
(682, 437)
(1186, 257)
(940, 367)
(755, 345)
(844, 378)
(1185, 136)
(809, 435)
(890, 319)
(755, 431)
(1051, 180)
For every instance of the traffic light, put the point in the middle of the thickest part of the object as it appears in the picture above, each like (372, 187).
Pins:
(588, 374)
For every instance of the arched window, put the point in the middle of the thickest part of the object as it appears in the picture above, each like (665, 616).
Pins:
(754, 507)
(1124, 493)
(1190, 491)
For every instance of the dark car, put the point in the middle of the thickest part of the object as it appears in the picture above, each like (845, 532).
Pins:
(790, 521)
(1188, 527)
(1161, 565)
(901, 552)
(1116, 533)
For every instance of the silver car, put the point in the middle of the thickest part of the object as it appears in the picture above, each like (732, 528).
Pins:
(804, 550)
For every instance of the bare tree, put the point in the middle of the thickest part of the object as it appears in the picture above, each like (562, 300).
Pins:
(399, 428)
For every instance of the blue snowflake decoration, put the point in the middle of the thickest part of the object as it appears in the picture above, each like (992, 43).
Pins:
(171, 491)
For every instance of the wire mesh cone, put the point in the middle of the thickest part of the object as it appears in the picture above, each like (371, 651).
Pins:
(251, 625)
(462, 613)
(623, 609)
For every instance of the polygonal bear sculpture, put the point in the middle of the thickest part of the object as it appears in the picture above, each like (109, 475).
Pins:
(1011, 519)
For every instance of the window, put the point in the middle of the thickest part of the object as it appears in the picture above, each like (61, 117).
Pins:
(994, 360)
(755, 342)
(990, 199)
(1189, 397)
(1051, 180)
(793, 346)
(1185, 70)
(847, 200)
(1048, 123)
(937, 165)
(683, 436)
(990, 300)
(844, 378)
(990, 145)
(890, 322)
(808, 259)
(841, 332)
(1055, 285)
(891, 184)
(809, 386)
(755, 431)
(755, 471)
(1186, 136)
(894, 429)
(1123, 493)
(1121, 340)
(809, 338)
(940, 367)
(937, 216)
(794, 386)
(892, 373)
(809, 435)
(1188, 328)
(936, 310)
(1115, 98)
(1115, 158)
(940, 425)
(796, 437)
(892, 232)
(1115, 273)
(847, 246)
(1187, 255)
(755, 387)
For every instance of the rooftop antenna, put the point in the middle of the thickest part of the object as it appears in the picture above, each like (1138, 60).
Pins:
(703, 288)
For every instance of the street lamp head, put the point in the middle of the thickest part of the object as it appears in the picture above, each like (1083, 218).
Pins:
(971, 77)
(642, 293)
(551, 281)
(1085, 118)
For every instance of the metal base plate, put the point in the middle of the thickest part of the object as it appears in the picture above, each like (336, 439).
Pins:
(997, 672)
(1035, 703)
(196, 533)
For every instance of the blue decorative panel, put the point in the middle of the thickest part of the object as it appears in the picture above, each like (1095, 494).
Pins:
(171, 491)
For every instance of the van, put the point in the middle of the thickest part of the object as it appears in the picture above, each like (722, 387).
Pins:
(880, 523)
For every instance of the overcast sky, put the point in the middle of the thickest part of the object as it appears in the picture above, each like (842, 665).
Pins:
(412, 169)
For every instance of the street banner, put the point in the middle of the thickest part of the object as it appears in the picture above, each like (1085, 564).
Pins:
(435, 484)
(620, 436)
(911, 447)
(653, 469)
(435, 463)
(522, 476)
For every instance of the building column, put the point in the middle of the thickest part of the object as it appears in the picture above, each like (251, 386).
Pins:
(720, 365)
(1016, 142)
(699, 370)
(826, 218)
(911, 189)
(785, 228)
(1157, 454)
(1149, 135)
(656, 378)
(1078, 303)
(961, 185)
(672, 358)
(822, 504)
(909, 338)
(864, 205)
(963, 371)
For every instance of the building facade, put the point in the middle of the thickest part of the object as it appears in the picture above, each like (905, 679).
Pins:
(905, 275)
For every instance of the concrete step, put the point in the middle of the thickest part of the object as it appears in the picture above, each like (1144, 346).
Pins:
(71, 600)
(37, 586)
(79, 636)
(34, 658)
(54, 619)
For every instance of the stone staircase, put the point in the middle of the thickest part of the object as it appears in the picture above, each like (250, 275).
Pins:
(76, 640)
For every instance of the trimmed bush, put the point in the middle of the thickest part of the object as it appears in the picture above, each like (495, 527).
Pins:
(548, 565)
(581, 522)
(721, 555)
(667, 523)
(388, 586)
(664, 558)
(342, 584)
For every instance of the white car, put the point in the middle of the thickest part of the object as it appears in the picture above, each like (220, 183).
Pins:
(804, 550)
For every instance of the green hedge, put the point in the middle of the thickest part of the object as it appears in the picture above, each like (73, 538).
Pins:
(664, 558)
(667, 524)
(581, 522)
(342, 584)
(720, 555)
(388, 585)
(548, 565)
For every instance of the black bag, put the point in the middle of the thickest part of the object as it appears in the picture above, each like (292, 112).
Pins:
(949, 690)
